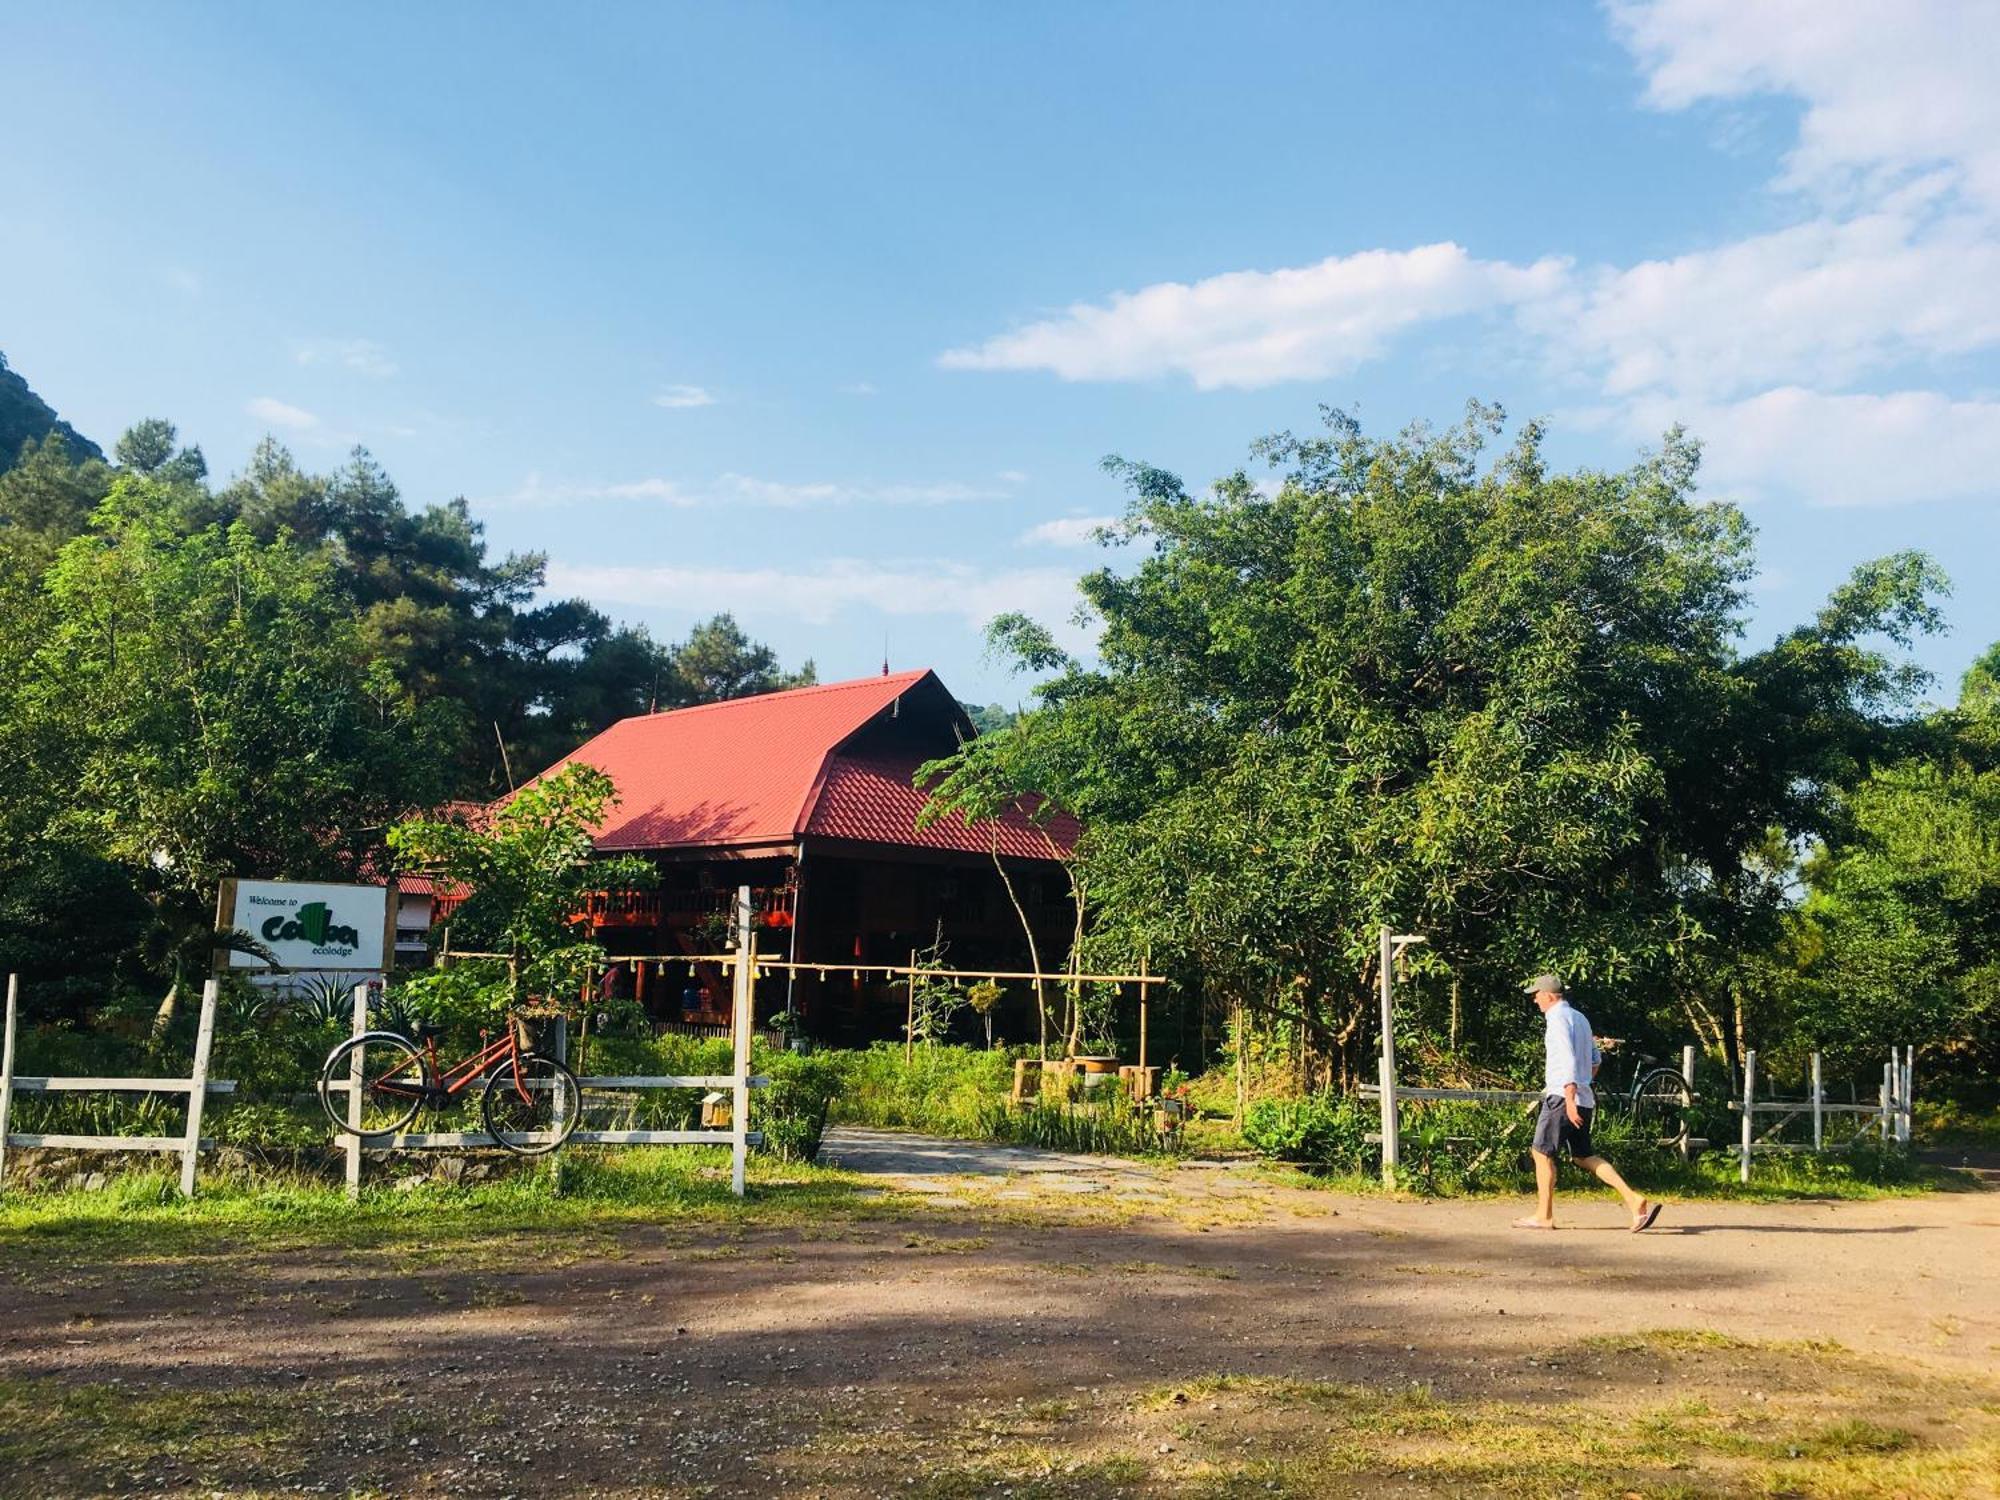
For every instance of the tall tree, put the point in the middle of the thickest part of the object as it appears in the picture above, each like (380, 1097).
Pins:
(207, 703)
(1504, 708)
(718, 661)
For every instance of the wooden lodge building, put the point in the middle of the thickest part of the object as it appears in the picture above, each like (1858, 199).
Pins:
(808, 796)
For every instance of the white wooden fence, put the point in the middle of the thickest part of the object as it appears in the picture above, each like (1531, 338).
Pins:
(1391, 1094)
(196, 1087)
(1891, 1109)
(739, 1081)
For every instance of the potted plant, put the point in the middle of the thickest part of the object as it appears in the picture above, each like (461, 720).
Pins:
(983, 997)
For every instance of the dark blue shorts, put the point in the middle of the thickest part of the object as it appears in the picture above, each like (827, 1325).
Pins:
(1553, 1129)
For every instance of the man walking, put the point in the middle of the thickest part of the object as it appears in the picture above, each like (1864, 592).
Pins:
(1568, 1102)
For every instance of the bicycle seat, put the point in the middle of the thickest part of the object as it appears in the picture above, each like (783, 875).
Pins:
(425, 1031)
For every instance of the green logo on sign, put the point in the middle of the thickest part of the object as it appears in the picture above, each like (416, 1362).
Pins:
(313, 923)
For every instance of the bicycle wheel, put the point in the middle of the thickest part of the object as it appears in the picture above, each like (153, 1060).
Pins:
(531, 1104)
(1657, 1104)
(394, 1083)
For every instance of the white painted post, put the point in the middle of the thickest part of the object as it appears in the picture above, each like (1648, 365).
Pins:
(204, 1039)
(559, 1111)
(351, 1143)
(1819, 1117)
(1749, 1107)
(7, 1069)
(1392, 1146)
(1882, 1117)
(1687, 1102)
(1909, 1120)
(741, 1018)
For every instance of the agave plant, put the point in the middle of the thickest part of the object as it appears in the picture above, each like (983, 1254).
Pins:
(326, 999)
(394, 1012)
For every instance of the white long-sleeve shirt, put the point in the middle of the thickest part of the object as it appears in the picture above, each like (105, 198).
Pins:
(1569, 1050)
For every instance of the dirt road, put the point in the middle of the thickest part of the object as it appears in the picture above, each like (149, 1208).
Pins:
(1005, 1334)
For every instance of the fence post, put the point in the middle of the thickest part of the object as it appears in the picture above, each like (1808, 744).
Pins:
(7, 1069)
(1907, 1124)
(351, 1143)
(1392, 1146)
(204, 1038)
(1819, 1114)
(1687, 1102)
(559, 1111)
(740, 1022)
(1749, 1106)
(1882, 1116)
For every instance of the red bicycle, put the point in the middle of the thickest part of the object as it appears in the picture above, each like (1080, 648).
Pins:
(530, 1101)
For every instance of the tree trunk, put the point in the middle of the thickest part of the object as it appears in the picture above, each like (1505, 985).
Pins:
(1034, 951)
(163, 1018)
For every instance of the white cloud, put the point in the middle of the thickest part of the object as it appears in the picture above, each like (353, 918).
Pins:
(1257, 328)
(361, 356)
(1853, 449)
(1892, 88)
(683, 397)
(275, 413)
(1066, 531)
(858, 388)
(840, 586)
(1011, 476)
(1822, 301)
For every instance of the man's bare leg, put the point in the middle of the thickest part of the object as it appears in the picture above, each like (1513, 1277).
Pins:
(1545, 1194)
(1604, 1172)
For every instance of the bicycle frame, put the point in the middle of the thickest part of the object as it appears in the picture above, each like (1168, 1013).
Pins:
(451, 1082)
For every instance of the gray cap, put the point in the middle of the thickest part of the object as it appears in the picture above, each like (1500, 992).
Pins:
(1550, 982)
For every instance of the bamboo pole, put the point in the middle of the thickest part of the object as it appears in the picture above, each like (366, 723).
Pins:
(910, 1015)
(1142, 1017)
(887, 971)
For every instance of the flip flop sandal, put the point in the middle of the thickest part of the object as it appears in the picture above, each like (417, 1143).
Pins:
(1646, 1219)
(1530, 1224)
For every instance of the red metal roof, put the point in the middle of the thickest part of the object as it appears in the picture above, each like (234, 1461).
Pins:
(761, 771)
(875, 800)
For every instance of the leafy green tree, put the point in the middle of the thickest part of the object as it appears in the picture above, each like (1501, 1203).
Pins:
(719, 661)
(48, 494)
(148, 448)
(206, 702)
(1898, 942)
(1979, 690)
(1501, 707)
(528, 866)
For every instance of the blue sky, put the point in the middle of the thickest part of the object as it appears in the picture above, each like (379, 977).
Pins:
(826, 314)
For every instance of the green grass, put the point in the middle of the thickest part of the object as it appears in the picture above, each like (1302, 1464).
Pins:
(1830, 1423)
(141, 1211)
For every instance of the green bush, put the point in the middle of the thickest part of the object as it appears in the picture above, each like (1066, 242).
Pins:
(791, 1110)
(1321, 1130)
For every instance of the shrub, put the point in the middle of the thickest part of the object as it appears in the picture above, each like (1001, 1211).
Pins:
(1321, 1130)
(791, 1109)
